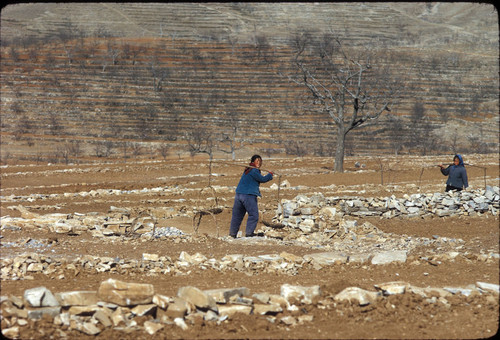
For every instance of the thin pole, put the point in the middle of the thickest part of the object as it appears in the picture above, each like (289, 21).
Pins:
(381, 174)
(246, 166)
(476, 166)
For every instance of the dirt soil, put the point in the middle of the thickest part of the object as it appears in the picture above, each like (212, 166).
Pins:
(402, 316)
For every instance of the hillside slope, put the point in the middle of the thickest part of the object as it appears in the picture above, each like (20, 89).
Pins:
(155, 74)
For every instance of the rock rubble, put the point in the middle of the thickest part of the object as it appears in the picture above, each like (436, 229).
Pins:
(125, 306)
(23, 267)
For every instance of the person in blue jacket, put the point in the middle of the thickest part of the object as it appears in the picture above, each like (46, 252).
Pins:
(457, 175)
(245, 200)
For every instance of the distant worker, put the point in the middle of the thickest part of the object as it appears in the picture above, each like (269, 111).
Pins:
(245, 200)
(457, 175)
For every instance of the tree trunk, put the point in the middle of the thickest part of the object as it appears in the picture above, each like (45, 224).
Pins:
(339, 152)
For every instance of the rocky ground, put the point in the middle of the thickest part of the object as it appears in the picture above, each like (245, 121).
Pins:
(130, 250)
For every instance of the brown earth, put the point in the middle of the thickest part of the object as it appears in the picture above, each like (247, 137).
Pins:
(401, 316)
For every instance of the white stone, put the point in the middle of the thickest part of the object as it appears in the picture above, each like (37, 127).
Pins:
(222, 295)
(300, 293)
(392, 288)
(150, 257)
(77, 298)
(389, 257)
(363, 297)
(197, 297)
(328, 212)
(11, 332)
(489, 286)
(263, 309)
(326, 259)
(40, 297)
(359, 258)
(152, 327)
(230, 310)
(181, 323)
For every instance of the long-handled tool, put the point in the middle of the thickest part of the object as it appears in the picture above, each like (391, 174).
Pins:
(247, 166)
(450, 164)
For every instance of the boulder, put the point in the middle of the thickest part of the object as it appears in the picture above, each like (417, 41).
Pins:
(266, 309)
(489, 286)
(363, 297)
(77, 298)
(152, 327)
(326, 259)
(300, 293)
(392, 288)
(386, 257)
(222, 295)
(40, 297)
(197, 297)
(230, 310)
(177, 309)
(125, 294)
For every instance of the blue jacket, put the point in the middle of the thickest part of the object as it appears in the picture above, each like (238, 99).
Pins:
(457, 175)
(249, 183)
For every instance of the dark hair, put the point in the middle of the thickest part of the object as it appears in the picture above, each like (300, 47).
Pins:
(254, 157)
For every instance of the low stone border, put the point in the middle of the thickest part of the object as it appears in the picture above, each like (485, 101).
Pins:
(122, 306)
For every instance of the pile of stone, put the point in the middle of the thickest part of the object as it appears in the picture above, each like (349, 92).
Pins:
(124, 306)
(117, 222)
(307, 212)
(350, 237)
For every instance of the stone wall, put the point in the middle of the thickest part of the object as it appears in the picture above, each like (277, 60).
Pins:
(306, 212)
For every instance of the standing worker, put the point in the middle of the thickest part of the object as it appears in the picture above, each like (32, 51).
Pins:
(245, 200)
(457, 175)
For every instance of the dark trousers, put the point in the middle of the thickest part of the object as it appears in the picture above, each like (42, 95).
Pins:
(449, 187)
(244, 204)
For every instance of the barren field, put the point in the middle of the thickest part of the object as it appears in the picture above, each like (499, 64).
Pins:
(170, 193)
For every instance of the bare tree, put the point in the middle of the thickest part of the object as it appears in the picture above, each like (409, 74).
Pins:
(99, 149)
(232, 144)
(63, 152)
(443, 113)
(136, 149)
(262, 48)
(23, 126)
(113, 52)
(53, 123)
(296, 148)
(344, 83)
(200, 140)
(233, 41)
(125, 146)
(14, 53)
(396, 131)
(454, 142)
(164, 150)
(103, 148)
(75, 149)
(420, 133)
(231, 140)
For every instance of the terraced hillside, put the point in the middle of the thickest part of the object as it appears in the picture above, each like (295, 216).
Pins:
(120, 80)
